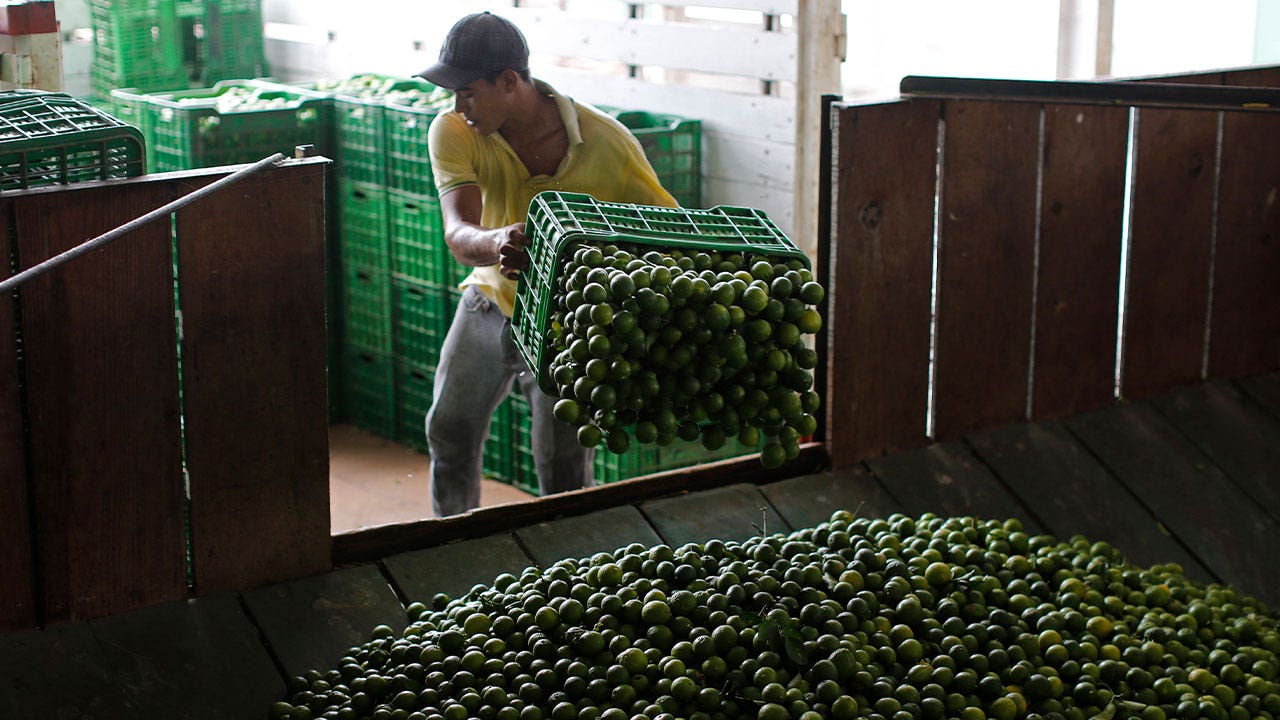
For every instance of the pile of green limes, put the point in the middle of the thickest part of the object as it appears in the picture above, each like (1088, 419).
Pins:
(891, 619)
(652, 345)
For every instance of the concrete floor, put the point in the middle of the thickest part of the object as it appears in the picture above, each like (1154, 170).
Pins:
(374, 481)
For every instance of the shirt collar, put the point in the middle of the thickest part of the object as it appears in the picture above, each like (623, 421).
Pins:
(568, 112)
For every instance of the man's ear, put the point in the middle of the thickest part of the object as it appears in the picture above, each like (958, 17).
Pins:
(509, 80)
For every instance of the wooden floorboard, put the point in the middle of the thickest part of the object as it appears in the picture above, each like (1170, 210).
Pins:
(1264, 390)
(736, 512)
(1072, 493)
(808, 500)
(946, 479)
(58, 673)
(454, 568)
(311, 623)
(1241, 438)
(181, 660)
(585, 535)
(1216, 521)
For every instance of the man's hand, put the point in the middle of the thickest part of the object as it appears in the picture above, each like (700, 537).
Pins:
(513, 257)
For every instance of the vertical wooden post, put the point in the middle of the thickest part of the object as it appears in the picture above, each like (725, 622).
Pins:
(252, 291)
(17, 591)
(1169, 250)
(878, 339)
(102, 391)
(985, 265)
(1081, 218)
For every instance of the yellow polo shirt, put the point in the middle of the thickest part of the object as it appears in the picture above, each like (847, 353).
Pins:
(604, 160)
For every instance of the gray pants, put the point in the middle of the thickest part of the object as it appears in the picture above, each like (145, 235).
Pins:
(478, 364)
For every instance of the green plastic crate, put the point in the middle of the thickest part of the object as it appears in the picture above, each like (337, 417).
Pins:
(359, 107)
(421, 321)
(685, 453)
(557, 221)
(498, 449)
(636, 461)
(233, 122)
(136, 44)
(364, 225)
(408, 158)
(418, 250)
(674, 147)
(366, 316)
(53, 138)
(231, 44)
(369, 390)
(524, 471)
(414, 390)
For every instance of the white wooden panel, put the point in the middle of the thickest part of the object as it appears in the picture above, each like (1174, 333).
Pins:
(734, 157)
(684, 46)
(755, 116)
(768, 7)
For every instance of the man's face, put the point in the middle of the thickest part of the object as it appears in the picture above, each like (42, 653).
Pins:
(482, 104)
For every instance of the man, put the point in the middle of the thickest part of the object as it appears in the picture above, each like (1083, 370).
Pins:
(508, 138)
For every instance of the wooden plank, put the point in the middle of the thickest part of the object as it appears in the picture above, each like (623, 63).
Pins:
(17, 584)
(1268, 76)
(102, 393)
(709, 48)
(879, 288)
(1213, 518)
(946, 479)
(252, 285)
(585, 535)
(736, 512)
(986, 262)
(378, 543)
(1081, 219)
(1241, 438)
(1070, 492)
(180, 660)
(810, 499)
(1170, 230)
(57, 673)
(1244, 327)
(1263, 389)
(455, 568)
(311, 623)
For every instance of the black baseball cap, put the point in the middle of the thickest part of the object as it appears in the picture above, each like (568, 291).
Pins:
(477, 45)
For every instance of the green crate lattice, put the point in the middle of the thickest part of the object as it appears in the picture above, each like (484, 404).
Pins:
(232, 45)
(136, 44)
(192, 129)
(408, 159)
(361, 126)
(498, 448)
(364, 239)
(414, 390)
(558, 220)
(674, 147)
(418, 250)
(53, 138)
(524, 472)
(421, 321)
(366, 318)
(368, 390)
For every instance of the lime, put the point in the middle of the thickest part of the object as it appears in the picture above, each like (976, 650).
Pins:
(589, 436)
(811, 293)
(772, 456)
(754, 299)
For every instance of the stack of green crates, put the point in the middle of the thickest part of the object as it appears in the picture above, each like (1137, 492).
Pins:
(174, 44)
(673, 145)
(53, 139)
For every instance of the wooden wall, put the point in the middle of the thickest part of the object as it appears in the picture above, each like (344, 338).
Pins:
(987, 254)
(95, 515)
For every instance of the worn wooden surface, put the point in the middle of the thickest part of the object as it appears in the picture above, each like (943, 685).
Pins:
(254, 359)
(878, 380)
(583, 535)
(312, 622)
(1160, 479)
(1193, 497)
(454, 568)
(1169, 249)
(986, 261)
(17, 593)
(100, 354)
(1263, 389)
(1049, 470)
(189, 659)
(1244, 326)
(1081, 214)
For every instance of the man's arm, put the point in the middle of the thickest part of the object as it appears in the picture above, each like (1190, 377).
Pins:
(475, 245)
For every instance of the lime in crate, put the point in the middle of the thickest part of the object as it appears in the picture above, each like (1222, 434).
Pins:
(233, 122)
